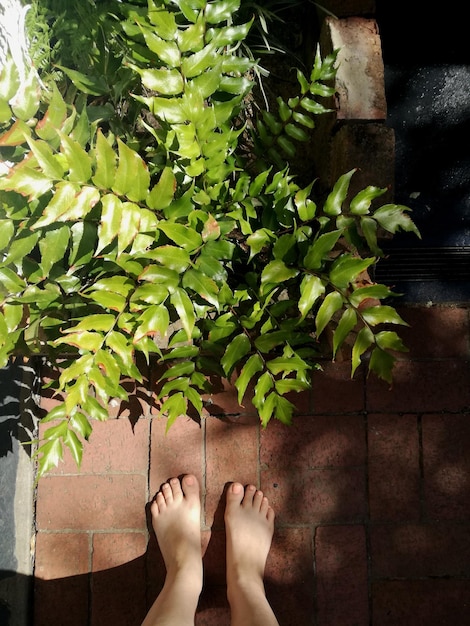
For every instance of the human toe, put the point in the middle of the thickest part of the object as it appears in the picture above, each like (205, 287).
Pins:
(190, 487)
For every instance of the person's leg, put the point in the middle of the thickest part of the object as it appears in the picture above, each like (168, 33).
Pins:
(249, 522)
(176, 520)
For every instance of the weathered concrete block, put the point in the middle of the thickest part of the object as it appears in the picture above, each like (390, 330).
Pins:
(360, 87)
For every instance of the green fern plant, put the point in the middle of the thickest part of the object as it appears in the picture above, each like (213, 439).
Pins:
(169, 244)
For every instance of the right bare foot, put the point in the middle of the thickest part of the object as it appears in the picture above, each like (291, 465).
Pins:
(176, 520)
(249, 522)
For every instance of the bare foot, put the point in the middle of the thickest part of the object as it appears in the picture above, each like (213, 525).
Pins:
(176, 520)
(249, 522)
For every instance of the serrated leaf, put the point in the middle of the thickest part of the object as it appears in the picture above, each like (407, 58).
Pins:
(175, 406)
(106, 159)
(335, 199)
(332, 303)
(197, 63)
(129, 228)
(320, 249)
(381, 363)
(346, 269)
(364, 339)
(311, 288)
(165, 49)
(389, 340)
(110, 222)
(239, 347)
(393, 217)
(382, 314)
(253, 365)
(346, 324)
(264, 384)
(378, 292)
(132, 176)
(21, 246)
(154, 320)
(361, 202)
(185, 310)
(277, 272)
(202, 285)
(168, 82)
(221, 10)
(182, 235)
(369, 230)
(163, 192)
(79, 161)
(50, 165)
(53, 246)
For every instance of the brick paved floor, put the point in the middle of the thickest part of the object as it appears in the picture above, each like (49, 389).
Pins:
(371, 487)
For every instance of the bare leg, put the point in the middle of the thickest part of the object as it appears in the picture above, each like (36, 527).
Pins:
(249, 522)
(176, 512)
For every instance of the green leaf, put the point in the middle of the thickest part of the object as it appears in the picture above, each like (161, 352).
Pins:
(378, 292)
(129, 228)
(195, 64)
(361, 202)
(75, 446)
(311, 288)
(182, 235)
(165, 49)
(346, 324)
(202, 285)
(277, 272)
(132, 176)
(393, 217)
(335, 199)
(50, 165)
(106, 158)
(154, 320)
(369, 230)
(320, 249)
(92, 85)
(185, 310)
(53, 247)
(389, 340)
(175, 406)
(79, 161)
(239, 347)
(382, 314)
(221, 10)
(363, 340)
(49, 455)
(381, 363)
(332, 303)
(21, 246)
(253, 365)
(110, 222)
(163, 192)
(168, 82)
(264, 384)
(347, 268)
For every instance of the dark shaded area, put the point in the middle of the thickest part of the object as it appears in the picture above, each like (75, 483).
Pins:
(427, 80)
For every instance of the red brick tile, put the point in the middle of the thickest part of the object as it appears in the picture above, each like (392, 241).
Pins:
(118, 580)
(223, 401)
(421, 386)
(334, 391)
(176, 452)
(231, 455)
(88, 502)
(341, 573)
(289, 576)
(436, 332)
(114, 446)
(136, 406)
(61, 586)
(421, 603)
(446, 442)
(318, 495)
(419, 550)
(394, 473)
(319, 441)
